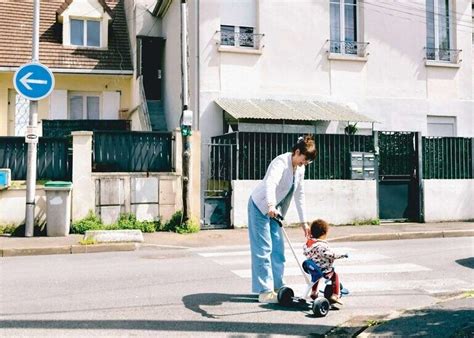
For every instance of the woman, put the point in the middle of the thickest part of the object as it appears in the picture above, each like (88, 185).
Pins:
(283, 180)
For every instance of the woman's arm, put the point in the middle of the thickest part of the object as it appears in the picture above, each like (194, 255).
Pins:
(273, 176)
(300, 201)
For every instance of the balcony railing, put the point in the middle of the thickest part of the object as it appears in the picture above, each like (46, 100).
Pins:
(246, 40)
(443, 54)
(348, 47)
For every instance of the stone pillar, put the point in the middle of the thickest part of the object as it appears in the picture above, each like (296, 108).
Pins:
(83, 190)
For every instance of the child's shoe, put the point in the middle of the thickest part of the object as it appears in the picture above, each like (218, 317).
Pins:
(268, 297)
(335, 299)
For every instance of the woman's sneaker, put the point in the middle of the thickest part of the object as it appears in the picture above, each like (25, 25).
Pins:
(268, 297)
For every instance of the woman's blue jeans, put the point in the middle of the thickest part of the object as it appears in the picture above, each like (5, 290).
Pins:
(267, 251)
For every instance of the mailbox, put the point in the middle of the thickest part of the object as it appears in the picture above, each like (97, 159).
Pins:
(5, 178)
(362, 166)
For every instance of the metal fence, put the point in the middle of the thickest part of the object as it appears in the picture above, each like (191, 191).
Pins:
(447, 158)
(53, 161)
(59, 128)
(249, 154)
(397, 153)
(132, 151)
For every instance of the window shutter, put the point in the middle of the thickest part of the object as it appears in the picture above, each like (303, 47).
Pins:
(58, 105)
(110, 105)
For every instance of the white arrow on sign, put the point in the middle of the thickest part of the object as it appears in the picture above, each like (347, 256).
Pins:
(25, 80)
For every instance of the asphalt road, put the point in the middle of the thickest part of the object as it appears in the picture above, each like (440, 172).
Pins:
(205, 291)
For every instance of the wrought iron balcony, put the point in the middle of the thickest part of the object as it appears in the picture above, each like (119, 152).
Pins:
(246, 40)
(348, 47)
(443, 54)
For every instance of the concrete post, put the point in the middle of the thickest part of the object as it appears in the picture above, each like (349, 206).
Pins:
(83, 192)
(195, 187)
(178, 151)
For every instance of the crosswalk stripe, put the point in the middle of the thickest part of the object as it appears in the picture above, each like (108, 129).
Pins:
(355, 258)
(247, 252)
(428, 285)
(369, 269)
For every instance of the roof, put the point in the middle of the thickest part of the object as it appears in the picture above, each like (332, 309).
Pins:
(290, 110)
(16, 22)
(66, 4)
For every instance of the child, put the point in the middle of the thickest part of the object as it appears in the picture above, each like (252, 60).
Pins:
(317, 249)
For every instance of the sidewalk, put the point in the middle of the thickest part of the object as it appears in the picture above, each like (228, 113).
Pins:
(20, 246)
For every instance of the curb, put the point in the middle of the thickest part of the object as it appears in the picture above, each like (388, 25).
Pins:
(404, 235)
(68, 249)
(127, 246)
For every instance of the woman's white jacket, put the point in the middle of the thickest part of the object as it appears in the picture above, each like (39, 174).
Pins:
(276, 184)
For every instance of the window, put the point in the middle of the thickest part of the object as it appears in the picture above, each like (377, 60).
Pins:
(441, 126)
(85, 33)
(84, 106)
(343, 29)
(238, 36)
(438, 31)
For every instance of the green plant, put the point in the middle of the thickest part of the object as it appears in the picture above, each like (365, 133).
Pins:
(189, 227)
(129, 221)
(88, 241)
(176, 224)
(351, 129)
(7, 228)
(374, 221)
(90, 222)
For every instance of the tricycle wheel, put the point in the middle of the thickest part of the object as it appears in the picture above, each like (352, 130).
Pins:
(285, 296)
(328, 290)
(321, 307)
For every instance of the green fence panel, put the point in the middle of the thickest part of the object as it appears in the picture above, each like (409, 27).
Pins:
(257, 150)
(132, 152)
(447, 158)
(59, 128)
(397, 154)
(54, 161)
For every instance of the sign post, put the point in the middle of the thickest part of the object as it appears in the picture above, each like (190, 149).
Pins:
(33, 81)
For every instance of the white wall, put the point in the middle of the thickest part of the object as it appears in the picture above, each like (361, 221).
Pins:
(13, 206)
(449, 200)
(336, 201)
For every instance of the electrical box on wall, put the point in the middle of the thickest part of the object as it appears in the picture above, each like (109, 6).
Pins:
(5, 178)
(362, 166)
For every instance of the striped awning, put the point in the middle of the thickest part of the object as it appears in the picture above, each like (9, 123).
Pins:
(290, 110)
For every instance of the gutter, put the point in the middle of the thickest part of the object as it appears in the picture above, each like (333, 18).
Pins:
(77, 71)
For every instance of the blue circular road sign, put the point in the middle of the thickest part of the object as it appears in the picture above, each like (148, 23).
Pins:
(33, 81)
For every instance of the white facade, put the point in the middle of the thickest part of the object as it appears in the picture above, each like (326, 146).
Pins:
(393, 83)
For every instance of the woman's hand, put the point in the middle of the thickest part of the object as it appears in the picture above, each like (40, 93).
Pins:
(307, 231)
(272, 212)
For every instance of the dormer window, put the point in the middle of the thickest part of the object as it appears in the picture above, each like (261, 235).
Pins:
(85, 33)
(85, 23)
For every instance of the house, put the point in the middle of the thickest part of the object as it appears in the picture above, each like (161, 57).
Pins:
(312, 66)
(86, 46)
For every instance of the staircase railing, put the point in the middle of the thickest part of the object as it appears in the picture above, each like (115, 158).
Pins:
(143, 113)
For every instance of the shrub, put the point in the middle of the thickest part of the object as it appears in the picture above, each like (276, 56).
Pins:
(90, 222)
(129, 221)
(176, 224)
(7, 228)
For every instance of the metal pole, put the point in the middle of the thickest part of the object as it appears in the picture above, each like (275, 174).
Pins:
(185, 103)
(33, 123)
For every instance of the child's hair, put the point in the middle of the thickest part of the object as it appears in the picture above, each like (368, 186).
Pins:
(306, 146)
(319, 228)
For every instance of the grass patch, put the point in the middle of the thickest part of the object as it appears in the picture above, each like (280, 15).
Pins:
(88, 241)
(468, 294)
(374, 221)
(373, 322)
